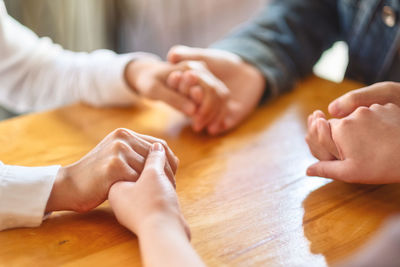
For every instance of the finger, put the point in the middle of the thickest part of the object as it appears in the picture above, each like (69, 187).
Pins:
(189, 79)
(233, 118)
(137, 162)
(319, 114)
(134, 160)
(174, 79)
(170, 174)
(175, 99)
(141, 144)
(366, 96)
(217, 125)
(314, 141)
(196, 94)
(172, 159)
(337, 169)
(156, 161)
(310, 119)
(130, 174)
(208, 110)
(325, 138)
(183, 53)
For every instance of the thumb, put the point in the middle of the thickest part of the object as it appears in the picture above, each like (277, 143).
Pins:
(156, 159)
(335, 169)
(155, 162)
(183, 53)
(350, 101)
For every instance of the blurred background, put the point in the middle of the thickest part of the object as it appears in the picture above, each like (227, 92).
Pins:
(132, 25)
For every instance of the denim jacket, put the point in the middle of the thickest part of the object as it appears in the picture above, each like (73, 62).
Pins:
(288, 37)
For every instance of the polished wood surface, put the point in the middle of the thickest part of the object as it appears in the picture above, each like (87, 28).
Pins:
(245, 194)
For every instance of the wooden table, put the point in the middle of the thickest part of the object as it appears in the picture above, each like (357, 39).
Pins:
(245, 194)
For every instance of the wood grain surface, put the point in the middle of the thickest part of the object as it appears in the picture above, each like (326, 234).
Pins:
(245, 194)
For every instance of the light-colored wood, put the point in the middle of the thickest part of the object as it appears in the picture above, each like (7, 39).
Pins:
(245, 194)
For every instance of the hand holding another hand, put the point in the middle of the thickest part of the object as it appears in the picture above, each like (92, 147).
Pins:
(245, 83)
(121, 156)
(151, 201)
(148, 78)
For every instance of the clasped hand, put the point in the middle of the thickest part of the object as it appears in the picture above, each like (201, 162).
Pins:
(135, 172)
(217, 89)
(362, 144)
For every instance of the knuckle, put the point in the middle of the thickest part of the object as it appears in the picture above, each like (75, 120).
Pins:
(162, 142)
(391, 106)
(362, 111)
(223, 95)
(122, 133)
(375, 106)
(321, 172)
(115, 162)
(119, 146)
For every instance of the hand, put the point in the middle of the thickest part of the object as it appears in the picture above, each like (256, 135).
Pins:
(148, 78)
(84, 185)
(368, 145)
(245, 82)
(207, 91)
(378, 93)
(151, 200)
(319, 137)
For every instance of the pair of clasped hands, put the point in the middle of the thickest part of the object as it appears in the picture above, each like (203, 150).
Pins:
(215, 88)
(361, 144)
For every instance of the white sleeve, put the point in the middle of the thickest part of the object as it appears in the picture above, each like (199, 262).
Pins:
(24, 192)
(36, 74)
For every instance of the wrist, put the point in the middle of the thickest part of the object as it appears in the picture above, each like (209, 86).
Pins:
(130, 75)
(256, 76)
(55, 200)
(133, 70)
(60, 196)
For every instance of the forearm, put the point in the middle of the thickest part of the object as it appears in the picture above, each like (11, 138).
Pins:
(37, 74)
(165, 244)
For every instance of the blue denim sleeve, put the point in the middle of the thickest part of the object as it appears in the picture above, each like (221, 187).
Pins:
(285, 40)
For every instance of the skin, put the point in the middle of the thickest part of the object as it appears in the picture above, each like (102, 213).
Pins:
(378, 93)
(150, 209)
(246, 84)
(320, 132)
(368, 142)
(120, 156)
(319, 137)
(200, 85)
(148, 77)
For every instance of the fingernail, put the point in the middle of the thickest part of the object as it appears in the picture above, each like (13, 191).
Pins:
(157, 147)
